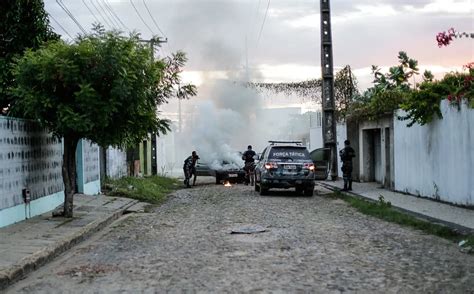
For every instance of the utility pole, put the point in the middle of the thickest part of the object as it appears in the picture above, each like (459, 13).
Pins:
(154, 41)
(179, 116)
(329, 121)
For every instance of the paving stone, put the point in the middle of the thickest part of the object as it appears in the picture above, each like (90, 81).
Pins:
(312, 244)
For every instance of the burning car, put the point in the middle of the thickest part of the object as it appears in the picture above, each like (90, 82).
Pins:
(222, 170)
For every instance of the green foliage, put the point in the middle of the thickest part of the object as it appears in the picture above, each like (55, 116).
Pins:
(392, 91)
(423, 105)
(383, 209)
(150, 189)
(23, 24)
(384, 203)
(374, 105)
(398, 76)
(388, 92)
(345, 89)
(104, 87)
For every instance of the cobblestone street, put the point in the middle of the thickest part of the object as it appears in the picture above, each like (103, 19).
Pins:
(311, 244)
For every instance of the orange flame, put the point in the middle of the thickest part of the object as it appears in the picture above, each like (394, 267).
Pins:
(227, 184)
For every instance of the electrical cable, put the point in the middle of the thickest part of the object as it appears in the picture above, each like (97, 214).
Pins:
(153, 19)
(263, 23)
(62, 28)
(256, 17)
(106, 15)
(140, 16)
(101, 16)
(64, 7)
(90, 10)
(116, 16)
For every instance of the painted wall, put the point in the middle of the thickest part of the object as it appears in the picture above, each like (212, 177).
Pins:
(145, 157)
(166, 155)
(437, 160)
(30, 158)
(88, 168)
(116, 163)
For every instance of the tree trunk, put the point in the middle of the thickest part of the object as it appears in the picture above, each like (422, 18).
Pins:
(69, 173)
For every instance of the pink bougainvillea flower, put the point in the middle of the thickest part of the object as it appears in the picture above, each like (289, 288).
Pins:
(444, 38)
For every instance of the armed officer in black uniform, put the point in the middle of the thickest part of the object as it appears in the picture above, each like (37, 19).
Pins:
(247, 157)
(346, 154)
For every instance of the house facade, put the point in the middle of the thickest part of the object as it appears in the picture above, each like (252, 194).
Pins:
(435, 160)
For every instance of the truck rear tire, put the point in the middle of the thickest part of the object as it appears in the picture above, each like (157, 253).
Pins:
(309, 192)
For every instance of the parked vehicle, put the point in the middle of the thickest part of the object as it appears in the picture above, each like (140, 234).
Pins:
(321, 157)
(285, 164)
(225, 172)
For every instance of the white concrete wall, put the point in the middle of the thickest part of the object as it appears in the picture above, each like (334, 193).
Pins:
(437, 160)
(166, 155)
(116, 163)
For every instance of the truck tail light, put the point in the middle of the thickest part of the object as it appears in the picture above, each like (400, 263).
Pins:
(310, 166)
(270, 165)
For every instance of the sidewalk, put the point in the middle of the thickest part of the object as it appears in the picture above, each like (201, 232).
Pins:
(29, 244)
(458, 218)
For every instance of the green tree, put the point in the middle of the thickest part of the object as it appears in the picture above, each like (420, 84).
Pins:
(424, 104)
(389, 90)
(23, 24)
(104, 87)
(345, 89)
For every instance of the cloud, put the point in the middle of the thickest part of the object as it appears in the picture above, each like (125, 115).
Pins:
(213, 33)
(443, 6)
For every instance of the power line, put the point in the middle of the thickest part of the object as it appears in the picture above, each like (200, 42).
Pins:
(153, 19)
(101, 16)
(140, 16)
(63, 7)
(62, 28)
(256, 17)
(263, 23)
(90, 10)
(106, 15)
(116, 16)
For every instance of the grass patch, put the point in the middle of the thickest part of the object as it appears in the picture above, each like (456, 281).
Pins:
(153, 189)
(382, 209)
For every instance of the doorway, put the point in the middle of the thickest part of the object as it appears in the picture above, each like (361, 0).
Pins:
(372, 156)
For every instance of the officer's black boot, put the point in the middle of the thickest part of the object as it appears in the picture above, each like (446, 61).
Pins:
(345, 186)
(350, 185)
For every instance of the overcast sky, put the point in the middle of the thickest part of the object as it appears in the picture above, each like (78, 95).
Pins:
(213, 33)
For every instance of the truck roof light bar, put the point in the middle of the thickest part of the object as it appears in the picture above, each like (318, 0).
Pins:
(286, 142)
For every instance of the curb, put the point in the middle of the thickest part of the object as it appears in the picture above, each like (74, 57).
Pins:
(456, 227)
(42, 257)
